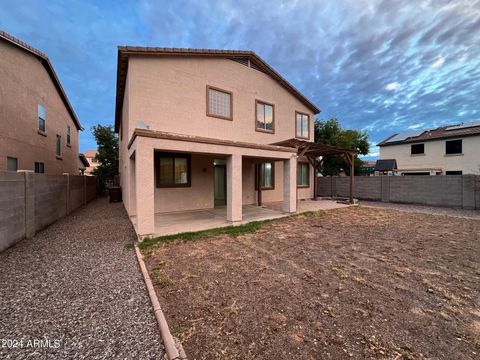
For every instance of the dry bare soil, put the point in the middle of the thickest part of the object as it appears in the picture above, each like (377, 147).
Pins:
(348, 283)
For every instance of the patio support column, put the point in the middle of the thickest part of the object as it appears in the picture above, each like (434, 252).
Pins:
(290, 184)
(352, 176)
(144, 189)
(234, 187)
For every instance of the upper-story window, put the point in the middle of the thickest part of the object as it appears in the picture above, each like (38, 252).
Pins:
(265, 118)
(41, 118)
(58, 146)
(68, 135)
(417, 149)
(219, 103)
(302, 125)
(453, 147)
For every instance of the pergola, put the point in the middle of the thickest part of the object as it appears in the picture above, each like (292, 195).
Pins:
(313, 151)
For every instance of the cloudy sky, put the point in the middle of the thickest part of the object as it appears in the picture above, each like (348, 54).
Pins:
(381, 66)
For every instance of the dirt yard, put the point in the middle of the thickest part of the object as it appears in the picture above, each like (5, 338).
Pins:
(348, 283)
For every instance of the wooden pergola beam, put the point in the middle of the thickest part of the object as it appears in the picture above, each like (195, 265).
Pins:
(313, 150)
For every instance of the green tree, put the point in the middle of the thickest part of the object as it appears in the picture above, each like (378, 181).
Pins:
(107, 142)
(329, 132)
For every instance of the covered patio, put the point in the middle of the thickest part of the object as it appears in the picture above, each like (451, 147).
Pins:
(198, 220)
(190, 205)
(147, 202)
(315, 154)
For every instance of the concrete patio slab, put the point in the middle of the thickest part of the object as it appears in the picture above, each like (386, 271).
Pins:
(198, 220)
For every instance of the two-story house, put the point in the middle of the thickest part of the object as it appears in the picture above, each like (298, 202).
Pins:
(447, 150)
(38, 126)
(90, 155)
(198, 129)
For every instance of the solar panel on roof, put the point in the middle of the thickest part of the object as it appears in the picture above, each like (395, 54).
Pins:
(405, 135)
(463, 125)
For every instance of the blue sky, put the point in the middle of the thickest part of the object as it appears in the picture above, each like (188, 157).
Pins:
(381, 66)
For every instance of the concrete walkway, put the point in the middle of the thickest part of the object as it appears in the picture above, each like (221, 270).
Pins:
(78, 285)
(197, 220)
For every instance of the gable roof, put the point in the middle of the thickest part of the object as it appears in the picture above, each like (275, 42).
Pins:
(91, 153)
(444, 132)
(245, 57)
(386, 165)
(83, 160)
(49, 67)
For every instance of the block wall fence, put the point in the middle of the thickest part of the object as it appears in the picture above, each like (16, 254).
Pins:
(29, 202)
(448, 191)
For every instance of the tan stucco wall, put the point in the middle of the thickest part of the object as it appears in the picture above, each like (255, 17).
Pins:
(198, 196)
(169, 94)
(24, 84)
(269, 195)
(435, 157)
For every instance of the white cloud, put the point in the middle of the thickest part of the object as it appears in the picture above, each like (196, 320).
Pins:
(392, 86)
(439, 62)
(416, 126)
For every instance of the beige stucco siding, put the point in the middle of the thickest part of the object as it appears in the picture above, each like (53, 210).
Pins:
(435, 158)
(24, 84)
(169, 94)
(125, 163)
(198, 196)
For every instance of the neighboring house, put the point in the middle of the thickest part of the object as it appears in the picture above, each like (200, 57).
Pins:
(84, 164)
(447, 150)
(93, 163)
(385, 167)
(198, 129)
(38, 126)
(368, 167)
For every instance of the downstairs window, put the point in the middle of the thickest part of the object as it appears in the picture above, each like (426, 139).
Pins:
(172, 170)
(303, 174)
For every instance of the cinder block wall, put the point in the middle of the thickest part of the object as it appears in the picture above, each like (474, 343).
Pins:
(29, 202)
(77, 192)
(12, 208)
(50, 199)
(449, 191)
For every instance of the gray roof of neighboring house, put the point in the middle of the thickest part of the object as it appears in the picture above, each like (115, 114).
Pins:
(444, 132)
(238, 55)
(49, 67)
(386, 165)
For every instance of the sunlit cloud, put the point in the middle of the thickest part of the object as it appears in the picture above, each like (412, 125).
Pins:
(392, 86)
(416, 126)
(439, 62)
(412, 62)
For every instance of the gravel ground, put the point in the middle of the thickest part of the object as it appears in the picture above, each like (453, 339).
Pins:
(432, 210)
(77, 282)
